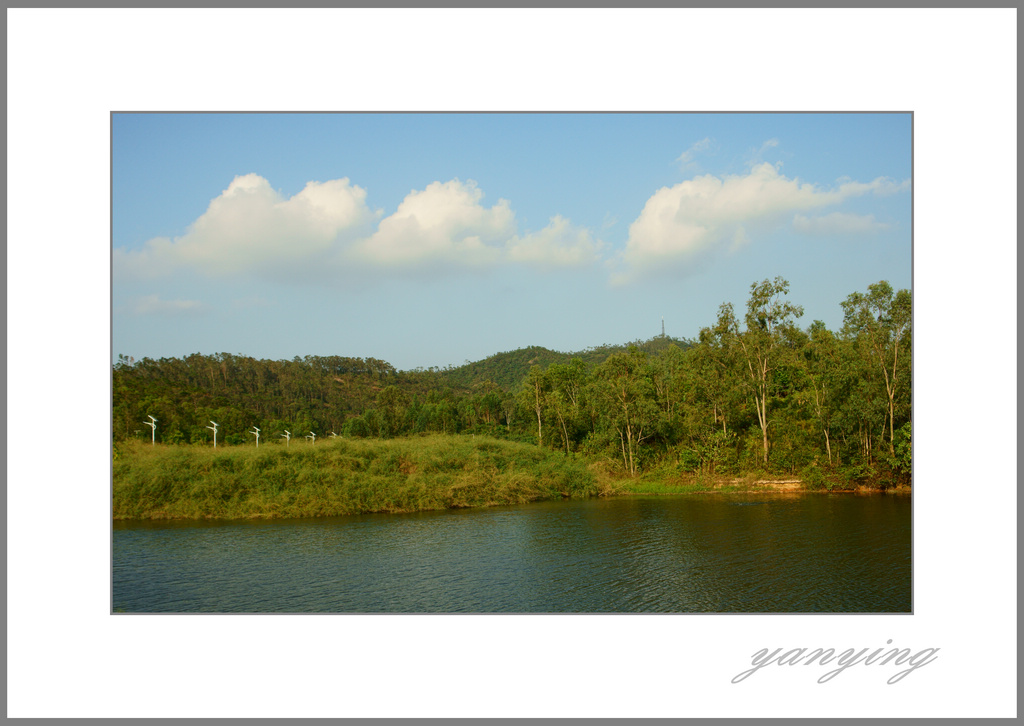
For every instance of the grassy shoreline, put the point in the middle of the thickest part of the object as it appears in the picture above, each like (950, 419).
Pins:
(355, 476)
(339, 477)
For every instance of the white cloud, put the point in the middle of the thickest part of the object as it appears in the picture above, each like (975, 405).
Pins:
(327, 230)
(686, 159)
(757, 156)
(838, 223)
(443, 223)
(446, 224)
(252, 228)
(560, 244)
(696, 216)
(882, 186)
(153, 305)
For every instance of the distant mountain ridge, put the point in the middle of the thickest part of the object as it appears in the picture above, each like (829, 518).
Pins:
(508, 369)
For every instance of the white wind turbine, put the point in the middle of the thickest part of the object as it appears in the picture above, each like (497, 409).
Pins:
(153, 425)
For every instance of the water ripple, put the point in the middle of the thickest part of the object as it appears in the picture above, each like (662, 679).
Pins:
(814, 553)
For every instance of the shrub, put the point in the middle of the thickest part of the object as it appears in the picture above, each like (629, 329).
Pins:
(904, 449)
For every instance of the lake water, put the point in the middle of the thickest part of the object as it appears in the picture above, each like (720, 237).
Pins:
(717, 553)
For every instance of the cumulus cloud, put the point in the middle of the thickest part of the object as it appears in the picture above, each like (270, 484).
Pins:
(448, 224)
(679, 223)
(251, 228)
(560, 244)
(327, 231)
(445, 223)
(838, 223)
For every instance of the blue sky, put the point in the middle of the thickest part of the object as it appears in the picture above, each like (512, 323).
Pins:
(432, 239)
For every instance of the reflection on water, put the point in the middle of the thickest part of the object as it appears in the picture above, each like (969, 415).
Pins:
(714, 553)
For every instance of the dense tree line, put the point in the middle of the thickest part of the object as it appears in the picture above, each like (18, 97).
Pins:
(239, 392)
(508, 368)
(751, 393)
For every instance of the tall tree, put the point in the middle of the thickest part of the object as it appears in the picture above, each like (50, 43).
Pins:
(565, 399)
(392, 404)
(715, 363)
(628, 404)
(769, 323)
(533, 396)
(667, 378)
(822, 366)
(880, 320)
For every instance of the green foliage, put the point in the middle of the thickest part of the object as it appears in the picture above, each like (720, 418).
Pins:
(757, 395)
(879, 324)
(509, 369)
(340, 477)
(904, 449)
(625, 397)
(709, 453)
(818, 476)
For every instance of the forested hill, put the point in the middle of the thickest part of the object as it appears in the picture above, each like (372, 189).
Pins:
(186, 394)
(757, 392)
(510, 368)
(313, 392)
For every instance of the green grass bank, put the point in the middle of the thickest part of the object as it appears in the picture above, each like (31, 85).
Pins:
(339, 477)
